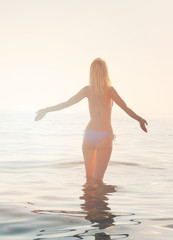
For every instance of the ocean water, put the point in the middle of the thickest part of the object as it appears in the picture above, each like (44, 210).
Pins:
(42, 180)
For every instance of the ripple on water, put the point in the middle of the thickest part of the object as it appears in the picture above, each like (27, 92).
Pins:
(92, 222)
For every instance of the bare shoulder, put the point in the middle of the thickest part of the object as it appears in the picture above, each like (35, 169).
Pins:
(85, 90)
(117, 99)
(112, 92)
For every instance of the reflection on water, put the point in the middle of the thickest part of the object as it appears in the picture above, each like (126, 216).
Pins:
(96, 205)
(96, 208)
(41, 175)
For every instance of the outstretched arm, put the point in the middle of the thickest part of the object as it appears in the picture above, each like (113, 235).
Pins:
(73, 100)
(119, 101)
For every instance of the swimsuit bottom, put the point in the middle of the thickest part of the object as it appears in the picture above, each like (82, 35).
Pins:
(94, 136)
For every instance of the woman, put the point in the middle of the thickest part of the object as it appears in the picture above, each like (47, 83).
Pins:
(98, 137)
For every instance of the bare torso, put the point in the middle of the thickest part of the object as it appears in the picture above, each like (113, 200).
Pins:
(100, 108)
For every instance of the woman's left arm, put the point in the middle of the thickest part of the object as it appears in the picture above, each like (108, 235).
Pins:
(73, 100)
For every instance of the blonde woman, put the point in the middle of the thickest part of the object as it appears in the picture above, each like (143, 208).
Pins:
(98, 137)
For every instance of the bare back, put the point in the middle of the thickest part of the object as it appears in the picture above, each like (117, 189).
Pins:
(100, 108)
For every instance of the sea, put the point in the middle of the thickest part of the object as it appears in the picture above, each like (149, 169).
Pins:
(43, 190)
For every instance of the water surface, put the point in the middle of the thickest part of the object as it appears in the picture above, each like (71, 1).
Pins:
(42, 180)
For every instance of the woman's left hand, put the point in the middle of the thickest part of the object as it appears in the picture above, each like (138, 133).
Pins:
(40, 114)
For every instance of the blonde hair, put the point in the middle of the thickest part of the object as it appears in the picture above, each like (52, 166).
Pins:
(99, 77)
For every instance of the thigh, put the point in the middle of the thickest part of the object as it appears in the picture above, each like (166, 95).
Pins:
(87, 147)
(104, 150)
(89, 154)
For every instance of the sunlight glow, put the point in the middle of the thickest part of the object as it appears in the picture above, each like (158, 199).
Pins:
(47, 48)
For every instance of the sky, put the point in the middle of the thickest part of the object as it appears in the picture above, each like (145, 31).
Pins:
(47, 46)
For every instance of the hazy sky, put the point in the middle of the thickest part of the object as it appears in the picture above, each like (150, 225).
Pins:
(47, 46)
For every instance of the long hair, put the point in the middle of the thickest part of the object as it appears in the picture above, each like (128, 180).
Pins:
(99, 77)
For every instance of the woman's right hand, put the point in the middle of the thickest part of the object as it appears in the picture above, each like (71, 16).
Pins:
(40, 114)
(142, 123)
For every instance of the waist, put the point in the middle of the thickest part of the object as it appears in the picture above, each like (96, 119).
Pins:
(92, 125)
(97, 131)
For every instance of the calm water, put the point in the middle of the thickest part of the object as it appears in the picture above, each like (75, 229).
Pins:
(42, 177)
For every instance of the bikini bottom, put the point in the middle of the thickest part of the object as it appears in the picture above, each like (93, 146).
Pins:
(94, 136)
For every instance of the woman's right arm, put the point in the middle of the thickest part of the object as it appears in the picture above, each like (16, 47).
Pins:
(120, 102)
